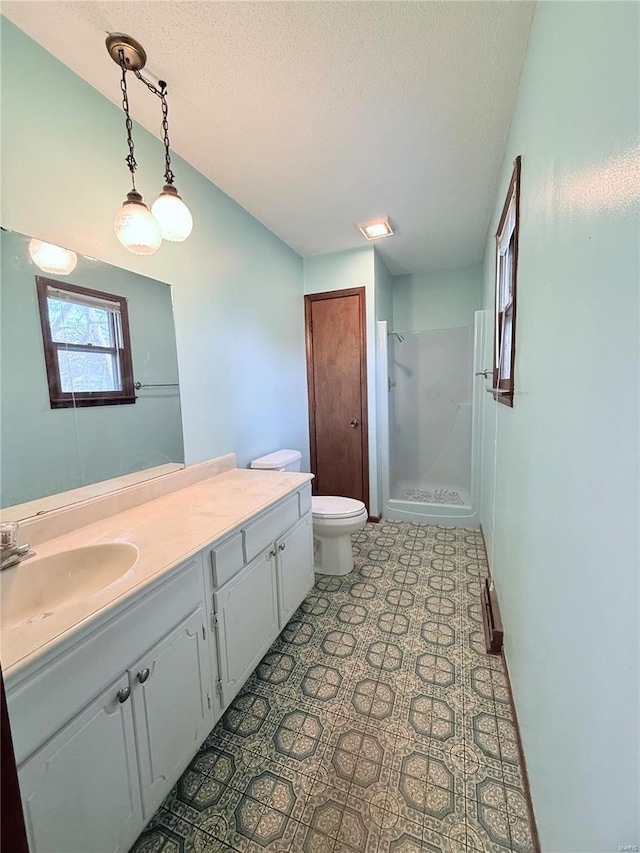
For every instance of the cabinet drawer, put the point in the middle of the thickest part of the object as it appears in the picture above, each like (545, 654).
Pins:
(304, 496)
(265, 530)
(81, 672)
(227, 559)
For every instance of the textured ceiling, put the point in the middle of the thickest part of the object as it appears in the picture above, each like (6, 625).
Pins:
(317, 115)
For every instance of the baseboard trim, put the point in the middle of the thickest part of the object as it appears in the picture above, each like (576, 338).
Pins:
(523, 761)
(486, 550)
(375, 519)
(491, 620)
(521, 756)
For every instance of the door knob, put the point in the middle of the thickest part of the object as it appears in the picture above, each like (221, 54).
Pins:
(354, 423)
(143, 675)
(123, 694)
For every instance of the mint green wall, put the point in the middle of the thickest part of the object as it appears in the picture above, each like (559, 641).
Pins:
(339, 271)
(383, 289)
(439, 299)
(237, 288)
(564, 546)
(44, 451)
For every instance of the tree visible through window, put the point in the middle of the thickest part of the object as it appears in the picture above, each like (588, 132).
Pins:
(86, 345)
(505, 309)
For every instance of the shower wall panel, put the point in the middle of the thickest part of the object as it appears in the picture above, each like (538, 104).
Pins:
(430, 409)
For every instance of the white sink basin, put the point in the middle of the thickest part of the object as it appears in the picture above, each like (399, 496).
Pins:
(38, 588)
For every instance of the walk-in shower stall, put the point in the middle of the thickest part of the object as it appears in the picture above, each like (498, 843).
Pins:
(429, 422)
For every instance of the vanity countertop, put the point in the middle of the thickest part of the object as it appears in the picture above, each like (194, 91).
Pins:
(166, 532)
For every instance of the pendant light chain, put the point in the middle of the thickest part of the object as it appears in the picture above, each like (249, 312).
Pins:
(140, 228)
(130, 159)
(162, 94)
(168, 174)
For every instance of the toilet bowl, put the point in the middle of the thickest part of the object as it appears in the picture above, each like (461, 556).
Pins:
(334, 518)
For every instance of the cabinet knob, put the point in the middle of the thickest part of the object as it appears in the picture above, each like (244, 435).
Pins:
(282, 546)
(273, 553)
(354, 423)
(123, 694)
(143, 675)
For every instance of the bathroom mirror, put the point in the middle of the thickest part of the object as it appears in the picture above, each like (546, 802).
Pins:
(89, 394)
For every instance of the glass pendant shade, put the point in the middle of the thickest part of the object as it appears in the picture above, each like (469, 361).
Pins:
(51, 258)
(136, 227)
(173, 215)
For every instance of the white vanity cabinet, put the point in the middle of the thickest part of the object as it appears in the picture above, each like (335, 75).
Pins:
(80, 792)
(246, 622)
(259, 577)
(294, 567)
(172, 706)
(93, 785)
(105, 722)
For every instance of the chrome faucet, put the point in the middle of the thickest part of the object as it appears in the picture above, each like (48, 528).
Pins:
(10, 552)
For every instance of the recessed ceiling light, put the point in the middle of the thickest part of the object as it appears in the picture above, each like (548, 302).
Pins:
(373, 229)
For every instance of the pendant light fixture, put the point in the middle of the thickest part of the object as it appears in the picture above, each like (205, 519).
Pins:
(139, 229)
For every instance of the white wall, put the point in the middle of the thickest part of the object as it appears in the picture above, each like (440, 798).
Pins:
(237, 288)
(440, 299)
(564, 548)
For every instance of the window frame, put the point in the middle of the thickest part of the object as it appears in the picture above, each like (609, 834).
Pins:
(503, 387)
(60, 399)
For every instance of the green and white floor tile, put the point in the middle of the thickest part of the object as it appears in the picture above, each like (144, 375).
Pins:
(375, 724)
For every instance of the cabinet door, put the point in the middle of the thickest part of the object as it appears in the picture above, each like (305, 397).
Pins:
(294, 568)
(172, 707)
(80, 791)
(247, 623)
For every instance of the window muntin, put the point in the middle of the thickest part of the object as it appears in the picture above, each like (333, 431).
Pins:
(505, 302)
(86, 343)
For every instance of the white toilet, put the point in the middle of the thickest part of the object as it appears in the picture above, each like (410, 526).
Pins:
(334, 518)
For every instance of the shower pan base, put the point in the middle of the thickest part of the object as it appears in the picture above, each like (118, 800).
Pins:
(433, 493)
(431, 503)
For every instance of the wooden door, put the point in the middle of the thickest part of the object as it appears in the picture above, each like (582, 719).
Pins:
(294, 568)
(172, 705)
(81, 790)
(337, 374)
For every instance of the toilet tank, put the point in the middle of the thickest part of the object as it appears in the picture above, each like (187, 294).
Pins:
(279, 460)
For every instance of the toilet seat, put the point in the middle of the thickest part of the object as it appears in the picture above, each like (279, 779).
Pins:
(324, 506)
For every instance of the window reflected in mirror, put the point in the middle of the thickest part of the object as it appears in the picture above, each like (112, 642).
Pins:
(87, 347)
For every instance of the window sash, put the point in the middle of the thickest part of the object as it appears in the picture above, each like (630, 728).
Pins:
(113, 366)
(79, 298)
(113, 311)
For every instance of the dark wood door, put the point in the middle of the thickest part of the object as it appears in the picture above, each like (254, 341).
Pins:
(337, 373)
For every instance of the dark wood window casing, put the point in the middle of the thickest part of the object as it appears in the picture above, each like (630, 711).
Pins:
(120, 351)
(504, 348)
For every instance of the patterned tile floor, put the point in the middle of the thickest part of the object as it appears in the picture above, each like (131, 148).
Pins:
(376, 722)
